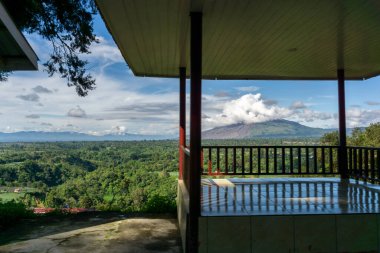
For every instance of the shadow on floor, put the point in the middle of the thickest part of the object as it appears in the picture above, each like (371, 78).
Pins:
(94, 232)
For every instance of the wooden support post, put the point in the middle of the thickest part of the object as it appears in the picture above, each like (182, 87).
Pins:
(195, 128)
(342, 154)
(182, 119)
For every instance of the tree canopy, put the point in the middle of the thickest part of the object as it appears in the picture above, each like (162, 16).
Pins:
(68, 25)
(366, 137)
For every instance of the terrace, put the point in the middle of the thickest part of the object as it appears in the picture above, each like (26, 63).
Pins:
(273, 196)
(308, 198)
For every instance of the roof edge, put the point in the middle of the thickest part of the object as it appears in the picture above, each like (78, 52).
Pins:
(18, 37)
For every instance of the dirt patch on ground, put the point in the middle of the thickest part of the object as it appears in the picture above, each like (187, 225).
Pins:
(94, 233)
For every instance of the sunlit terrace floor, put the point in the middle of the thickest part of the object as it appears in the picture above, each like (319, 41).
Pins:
(94, 232)
(288, 196)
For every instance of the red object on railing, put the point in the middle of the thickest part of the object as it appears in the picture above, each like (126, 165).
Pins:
(75, 210)
(43, 210)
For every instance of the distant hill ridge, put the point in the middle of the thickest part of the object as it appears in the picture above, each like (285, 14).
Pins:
(269, 129)
(39, 136)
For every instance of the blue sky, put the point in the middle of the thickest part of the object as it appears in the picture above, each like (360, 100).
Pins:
(124, 103)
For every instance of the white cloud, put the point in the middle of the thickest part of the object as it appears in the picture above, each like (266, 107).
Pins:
(357, 117)
(118, 130)
(372, 103)
(104, 54)
(222, 94)
(252, 108)
(298, 105)
(159, 117)
(270, 102)
(76, 112)
(41, 89)
(32, 116)
(32, 97)
(247, 88)
(249, 108)
(308, 115)
(105, 50)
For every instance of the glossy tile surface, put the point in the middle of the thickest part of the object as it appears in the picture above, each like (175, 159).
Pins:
(287, 196)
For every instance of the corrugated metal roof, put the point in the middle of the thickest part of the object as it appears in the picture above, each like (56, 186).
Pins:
(250, 39)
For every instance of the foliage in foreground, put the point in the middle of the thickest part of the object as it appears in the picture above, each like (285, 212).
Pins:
(12, 211)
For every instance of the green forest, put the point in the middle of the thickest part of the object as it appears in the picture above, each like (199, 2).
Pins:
(133, 176)
(113, 176)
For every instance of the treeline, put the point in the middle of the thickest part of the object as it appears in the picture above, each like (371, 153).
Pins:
(51, 164)
(129, 190)
(360, 137)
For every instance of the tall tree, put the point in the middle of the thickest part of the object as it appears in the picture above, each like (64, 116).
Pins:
(68, 25)
(330, 138)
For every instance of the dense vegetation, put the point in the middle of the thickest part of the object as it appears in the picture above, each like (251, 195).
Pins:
(123, 176)
(368, 137)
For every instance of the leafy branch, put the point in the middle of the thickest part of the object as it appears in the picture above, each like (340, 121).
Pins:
(68, 25)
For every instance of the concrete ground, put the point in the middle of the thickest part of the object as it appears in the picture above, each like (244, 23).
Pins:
(94, 234)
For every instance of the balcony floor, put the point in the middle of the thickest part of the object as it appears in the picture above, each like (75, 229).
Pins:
(288, 196)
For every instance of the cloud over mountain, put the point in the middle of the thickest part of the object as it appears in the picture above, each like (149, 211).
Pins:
(249, 108)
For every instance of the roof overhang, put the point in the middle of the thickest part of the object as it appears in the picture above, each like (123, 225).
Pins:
(15, 51)
(246, 39)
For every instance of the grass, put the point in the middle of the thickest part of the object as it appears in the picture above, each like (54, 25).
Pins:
(10, 196)
(7, 194)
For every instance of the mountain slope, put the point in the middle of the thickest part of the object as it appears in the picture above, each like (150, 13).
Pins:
(269, 129)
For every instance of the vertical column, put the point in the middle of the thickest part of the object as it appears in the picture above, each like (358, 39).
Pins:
(342, 154)
(182, 119)
(195, 128)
